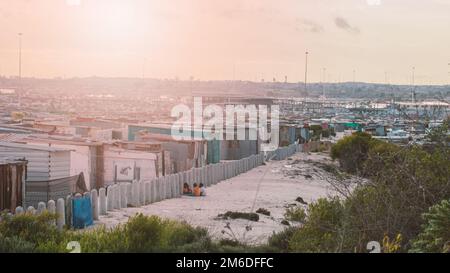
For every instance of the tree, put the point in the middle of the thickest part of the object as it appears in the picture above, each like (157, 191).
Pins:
(435, 234)
(351, 151)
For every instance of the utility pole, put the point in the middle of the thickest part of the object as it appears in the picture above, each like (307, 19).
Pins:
(449, 73)
(20, 69)
(306, 71)
(20, 55)
(324, 80)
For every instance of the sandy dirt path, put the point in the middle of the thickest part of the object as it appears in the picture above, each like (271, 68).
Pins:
(272, 186)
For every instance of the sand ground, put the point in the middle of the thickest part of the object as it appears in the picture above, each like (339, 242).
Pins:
(274, 186)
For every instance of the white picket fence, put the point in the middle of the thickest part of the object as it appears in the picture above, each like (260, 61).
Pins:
(141, 193)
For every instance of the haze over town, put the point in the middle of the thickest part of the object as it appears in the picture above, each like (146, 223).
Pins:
(363, 40)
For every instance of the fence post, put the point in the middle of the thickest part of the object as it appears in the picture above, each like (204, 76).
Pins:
(19, 210)
(153, 190)
(109, 198)
(181, 180)
(41, 208)
(214, 174)
(51, 207)
(211, 175)
(113, 197)
(68, 210)
(129, 194)
(117, 196)
(162, 191)
(156, 193)
(123, 195)
(94, 202)
(205, 175)
(173, 181)
(134, 194)
(164, 188)
(169, 180)
(141, 193)
(176, 185)
(207, 181)
(222, 171)
(31, 210)
(102, 201)
(194, 177)
(147, 193)
(60, 213)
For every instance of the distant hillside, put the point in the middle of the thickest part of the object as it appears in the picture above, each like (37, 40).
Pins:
(123, 86)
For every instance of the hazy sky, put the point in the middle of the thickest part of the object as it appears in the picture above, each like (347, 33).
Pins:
(226, 39)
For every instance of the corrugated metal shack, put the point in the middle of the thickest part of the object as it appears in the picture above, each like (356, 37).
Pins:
(12, 184)
(211, 151)
(45, 164)
(43, 191)
(184, 154)
(85, 157)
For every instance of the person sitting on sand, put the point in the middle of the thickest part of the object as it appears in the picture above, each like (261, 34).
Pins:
(202, 190)
(196, 190)
(186, 189)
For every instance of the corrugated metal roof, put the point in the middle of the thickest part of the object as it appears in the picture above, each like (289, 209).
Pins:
(12, 137)
(33, 147)
(6, 161)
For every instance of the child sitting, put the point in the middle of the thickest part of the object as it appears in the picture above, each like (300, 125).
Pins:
(202, 190)
(196, 191)
(186, 189)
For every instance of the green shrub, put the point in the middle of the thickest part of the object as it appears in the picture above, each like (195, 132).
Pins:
(320, 232)
(280, 241)
(15, 245)
(296, 214)
(144, 234)
(435, 234)
(30, 228)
